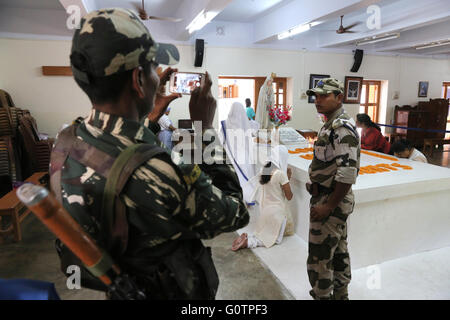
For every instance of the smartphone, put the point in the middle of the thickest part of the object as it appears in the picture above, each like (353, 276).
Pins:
(185, 82)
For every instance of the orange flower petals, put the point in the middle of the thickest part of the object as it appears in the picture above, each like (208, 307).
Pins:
(309, 156)
(402, 166)
(379, 155)
(386, 166)
(300, 150)
(382, 167)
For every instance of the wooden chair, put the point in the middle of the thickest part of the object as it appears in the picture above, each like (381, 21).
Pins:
(38, 150)
(5, 99)
(11, 206)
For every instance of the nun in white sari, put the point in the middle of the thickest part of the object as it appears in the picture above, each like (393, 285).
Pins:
(272, 195)
(236, 137)
(266, 99)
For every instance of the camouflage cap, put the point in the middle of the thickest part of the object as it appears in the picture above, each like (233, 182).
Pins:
(326, 86)
(115, 40)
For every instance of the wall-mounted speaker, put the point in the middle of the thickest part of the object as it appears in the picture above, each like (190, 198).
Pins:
(358, 59)
(199, 52)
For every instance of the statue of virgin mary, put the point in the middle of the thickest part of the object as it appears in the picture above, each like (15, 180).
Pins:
(266, 99)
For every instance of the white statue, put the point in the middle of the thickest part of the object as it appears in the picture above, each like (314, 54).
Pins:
(266, 99)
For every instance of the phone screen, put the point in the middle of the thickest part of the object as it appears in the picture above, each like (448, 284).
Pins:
(185, 83)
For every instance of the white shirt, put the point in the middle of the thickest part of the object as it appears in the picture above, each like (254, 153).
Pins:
(272, 194)
(416, 155)
(273, 209)
(164, 122)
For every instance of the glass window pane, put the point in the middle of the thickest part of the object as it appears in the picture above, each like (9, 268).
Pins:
(280, 90)
(280, 99)
(447, 135)
(362, 109)
(274, 87)
(280, 84)
(371, 93)
(448, 92)
(371, 112)
(363, 94)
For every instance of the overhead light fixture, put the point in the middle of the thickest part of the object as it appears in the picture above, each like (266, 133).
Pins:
(378, 39)
(434, 44)
(200, 21)
(296, 30)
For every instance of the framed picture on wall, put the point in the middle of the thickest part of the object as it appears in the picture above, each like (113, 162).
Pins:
(423, 89)
(313, 79)
(352, 90)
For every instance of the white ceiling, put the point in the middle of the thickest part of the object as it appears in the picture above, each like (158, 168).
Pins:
(248, 10)
(256, 23)
(31, 4)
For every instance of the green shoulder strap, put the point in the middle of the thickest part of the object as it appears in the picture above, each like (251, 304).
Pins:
(109, 193)
(114, 223)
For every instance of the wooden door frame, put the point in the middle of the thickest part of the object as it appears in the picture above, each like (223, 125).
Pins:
(243, 78)
(446, 85)
(367, 83)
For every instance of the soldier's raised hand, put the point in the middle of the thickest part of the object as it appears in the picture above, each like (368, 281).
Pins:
(202, 105)
(162, 100)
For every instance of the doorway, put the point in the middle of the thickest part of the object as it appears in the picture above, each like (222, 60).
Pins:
(237, 89)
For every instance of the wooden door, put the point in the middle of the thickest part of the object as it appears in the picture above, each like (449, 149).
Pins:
(370, 99)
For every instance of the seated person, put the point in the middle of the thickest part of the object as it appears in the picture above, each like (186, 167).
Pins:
(272, 195)
(371, 137)
(404, 149)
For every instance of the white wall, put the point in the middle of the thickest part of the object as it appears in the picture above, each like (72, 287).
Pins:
(57, 100)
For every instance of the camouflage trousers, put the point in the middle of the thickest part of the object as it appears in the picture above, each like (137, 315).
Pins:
(328, 262)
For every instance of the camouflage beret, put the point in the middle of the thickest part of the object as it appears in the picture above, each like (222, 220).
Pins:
(326, 86)
(115, 40)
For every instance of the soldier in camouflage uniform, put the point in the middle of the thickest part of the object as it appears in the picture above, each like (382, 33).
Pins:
(114, 59)
(333, 170)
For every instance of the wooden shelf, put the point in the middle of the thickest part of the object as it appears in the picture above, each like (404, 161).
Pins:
(56, 71)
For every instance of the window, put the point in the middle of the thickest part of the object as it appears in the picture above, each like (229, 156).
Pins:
(370, 99)
(279, 90)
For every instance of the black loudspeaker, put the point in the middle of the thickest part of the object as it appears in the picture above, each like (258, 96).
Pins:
(358, 59)
(199, 51)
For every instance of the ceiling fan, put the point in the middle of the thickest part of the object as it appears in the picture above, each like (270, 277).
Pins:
(144, 16)
(346, 29)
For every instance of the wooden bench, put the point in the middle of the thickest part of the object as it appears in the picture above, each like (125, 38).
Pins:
(429, 144)
(11, 206)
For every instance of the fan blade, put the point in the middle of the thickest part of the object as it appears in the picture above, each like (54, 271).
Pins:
(352, 25)
(349, 32)
(137, 5)
(166, 19)
(140, 11)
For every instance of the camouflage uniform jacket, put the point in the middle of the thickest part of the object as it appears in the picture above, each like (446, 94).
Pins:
(336, 158)
(163, 204)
